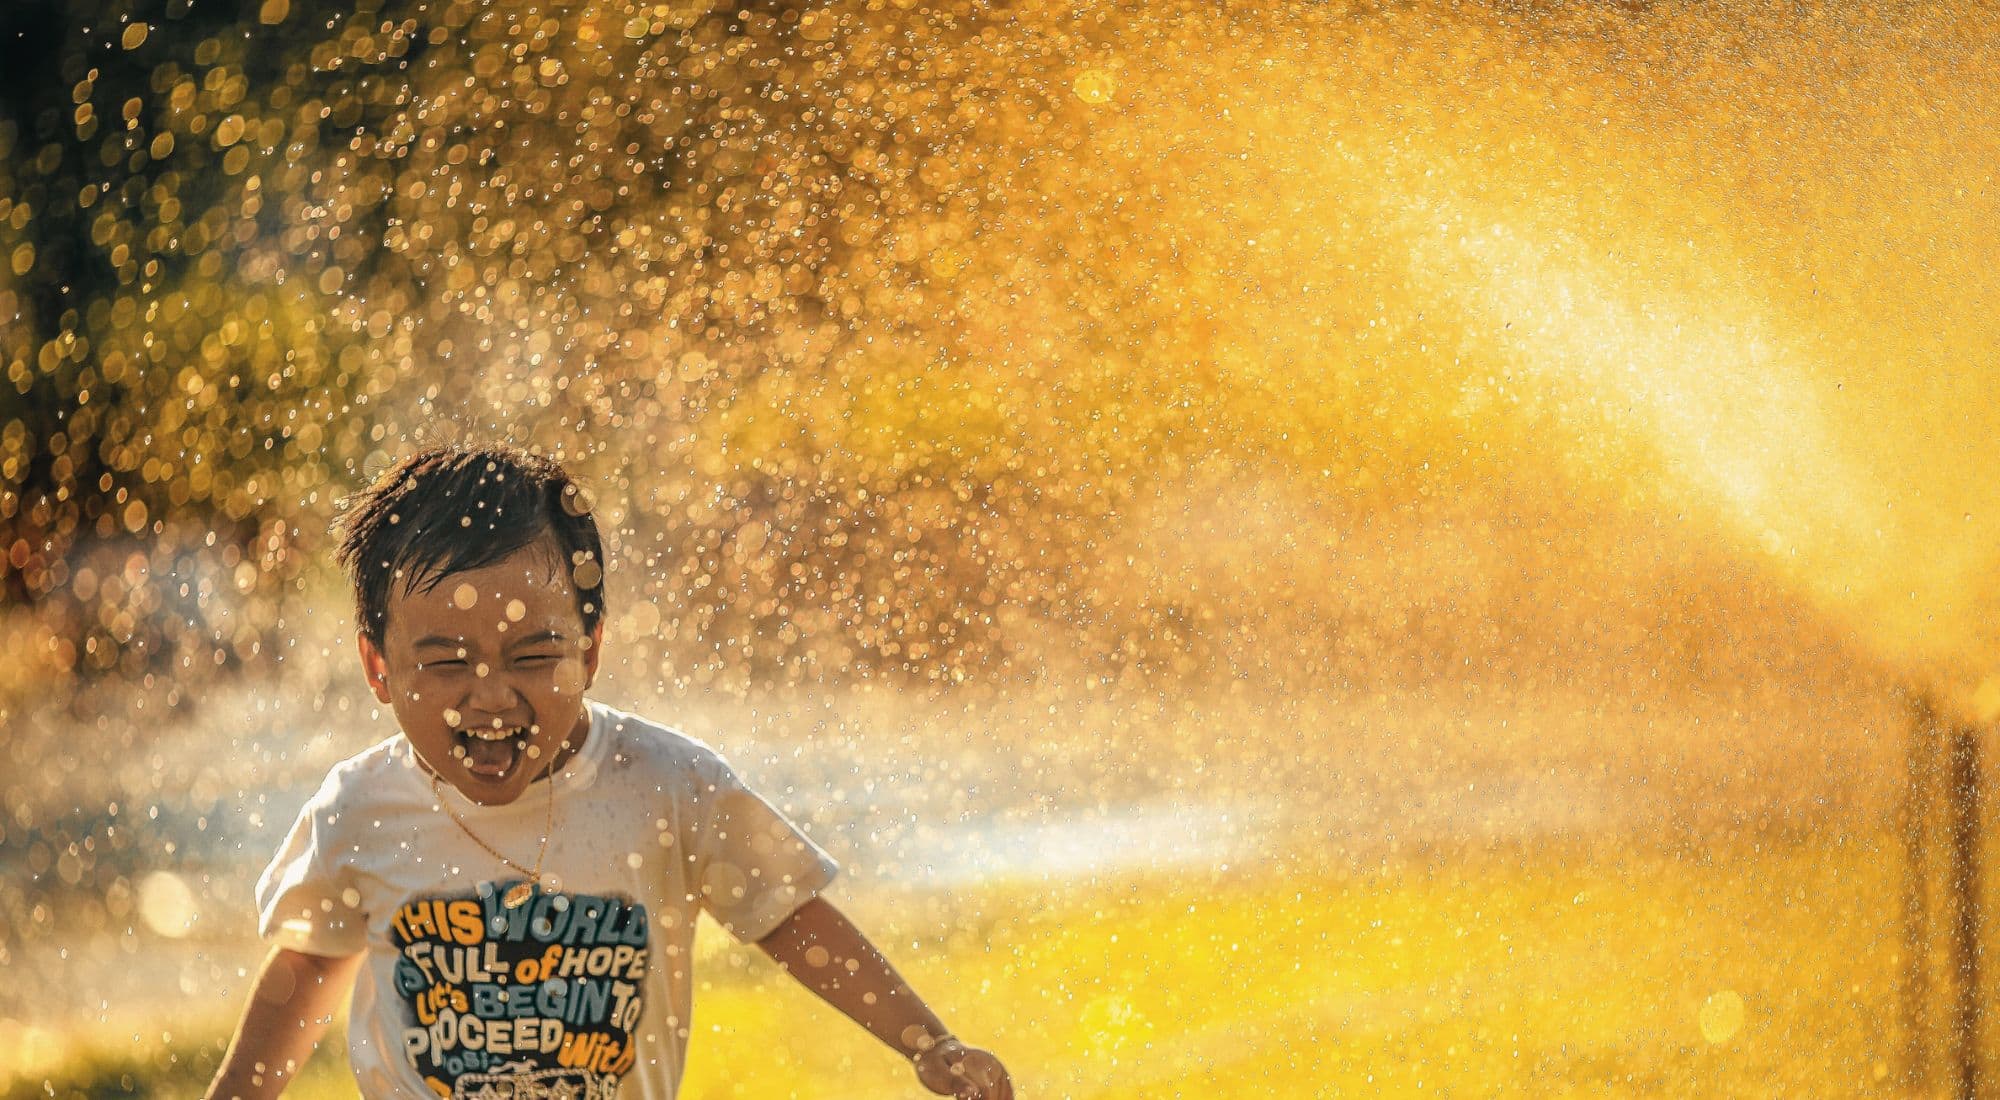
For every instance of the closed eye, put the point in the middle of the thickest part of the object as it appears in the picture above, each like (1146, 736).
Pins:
(530, 657)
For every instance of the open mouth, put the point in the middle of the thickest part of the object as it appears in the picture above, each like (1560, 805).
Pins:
(492, 753)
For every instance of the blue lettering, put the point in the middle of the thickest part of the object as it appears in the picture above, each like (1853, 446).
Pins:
(502, 922)
(409, 980)
(551, 917)
(489, 1002)
(551, 997)
(584, 929)
(593, 1002)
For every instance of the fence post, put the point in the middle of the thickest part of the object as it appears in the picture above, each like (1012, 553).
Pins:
(1963, 792)
(1920, 759)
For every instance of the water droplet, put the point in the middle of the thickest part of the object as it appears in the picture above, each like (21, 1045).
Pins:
(1094, 86)
(166, 904)
(1722, 1016)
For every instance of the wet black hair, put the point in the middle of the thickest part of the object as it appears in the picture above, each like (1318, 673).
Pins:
(449, 509)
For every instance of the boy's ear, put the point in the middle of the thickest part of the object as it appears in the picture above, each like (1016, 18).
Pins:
(591, 654)
(374, 667)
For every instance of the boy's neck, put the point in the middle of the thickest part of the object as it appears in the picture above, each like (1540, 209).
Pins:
(576, 738)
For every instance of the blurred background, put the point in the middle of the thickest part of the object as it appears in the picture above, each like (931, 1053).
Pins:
(1290, 549)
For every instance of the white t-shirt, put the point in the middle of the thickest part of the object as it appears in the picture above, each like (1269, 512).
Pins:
(586, 990)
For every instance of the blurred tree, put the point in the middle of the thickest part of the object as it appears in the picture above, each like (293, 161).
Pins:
(251, 257)
(172, 393)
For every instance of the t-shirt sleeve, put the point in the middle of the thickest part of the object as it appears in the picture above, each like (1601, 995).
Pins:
(753, 867)
(306, 899)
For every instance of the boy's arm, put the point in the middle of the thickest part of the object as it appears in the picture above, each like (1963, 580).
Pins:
(290, 1006)
(831, 957)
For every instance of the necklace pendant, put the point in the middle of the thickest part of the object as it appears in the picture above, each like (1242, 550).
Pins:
(517, 895)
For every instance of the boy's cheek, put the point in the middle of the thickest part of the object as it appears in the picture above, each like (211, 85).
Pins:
(570, 676)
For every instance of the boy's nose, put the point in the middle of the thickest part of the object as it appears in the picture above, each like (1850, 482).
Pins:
(492, 694)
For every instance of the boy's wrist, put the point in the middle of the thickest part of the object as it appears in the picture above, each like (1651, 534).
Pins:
(927, 1042)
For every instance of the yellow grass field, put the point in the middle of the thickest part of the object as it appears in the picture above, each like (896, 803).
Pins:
(1759, 967)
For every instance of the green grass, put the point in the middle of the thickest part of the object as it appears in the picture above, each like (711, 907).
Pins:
(1552, 971)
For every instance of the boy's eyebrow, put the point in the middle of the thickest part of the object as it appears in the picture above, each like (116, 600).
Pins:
(544, 636)
(453, 643)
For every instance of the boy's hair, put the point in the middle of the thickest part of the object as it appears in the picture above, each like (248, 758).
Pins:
(449, 509)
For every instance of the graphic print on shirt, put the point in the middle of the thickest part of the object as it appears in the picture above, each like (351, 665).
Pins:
(536, 1001)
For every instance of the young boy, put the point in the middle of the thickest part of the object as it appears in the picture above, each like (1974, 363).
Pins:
(511, 884)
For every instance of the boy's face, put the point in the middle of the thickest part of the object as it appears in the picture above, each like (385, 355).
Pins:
(486, 671)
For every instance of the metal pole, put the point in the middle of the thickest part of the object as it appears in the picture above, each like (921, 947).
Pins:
(1964, 794)
(1921, 762)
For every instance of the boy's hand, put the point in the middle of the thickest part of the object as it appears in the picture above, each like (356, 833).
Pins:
(953, 1069)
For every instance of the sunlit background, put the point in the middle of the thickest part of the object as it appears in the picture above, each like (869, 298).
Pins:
(1295, 549)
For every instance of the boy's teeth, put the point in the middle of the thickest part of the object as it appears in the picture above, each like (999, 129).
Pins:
(489, 734)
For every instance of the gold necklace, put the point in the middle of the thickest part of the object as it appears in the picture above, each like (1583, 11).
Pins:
(520, 892)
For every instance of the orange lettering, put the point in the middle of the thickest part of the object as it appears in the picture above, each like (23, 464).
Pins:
(467, 927)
